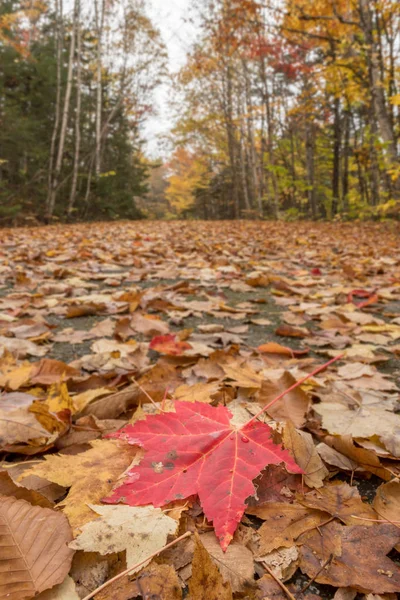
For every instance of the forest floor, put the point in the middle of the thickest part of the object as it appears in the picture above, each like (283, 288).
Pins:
(105, 324)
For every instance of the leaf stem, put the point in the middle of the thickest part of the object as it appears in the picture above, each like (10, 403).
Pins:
(134, 567)
(293, 387)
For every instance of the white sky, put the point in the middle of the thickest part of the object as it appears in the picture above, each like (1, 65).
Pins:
(171, 18)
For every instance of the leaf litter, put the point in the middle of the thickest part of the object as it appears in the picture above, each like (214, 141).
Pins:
(116, 381)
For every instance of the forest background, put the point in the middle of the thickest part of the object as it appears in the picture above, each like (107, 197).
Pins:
(283, 109)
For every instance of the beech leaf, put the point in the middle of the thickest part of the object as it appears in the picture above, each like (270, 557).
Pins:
(197, 451)
(33, 548)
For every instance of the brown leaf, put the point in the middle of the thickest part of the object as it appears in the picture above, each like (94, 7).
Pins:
(387, 502)
(34, 548)
(341, 501)
(49, 371)
(155, 582)
(366, 459)
(358, 557)
(301, 446)
(284, 523)
(293, 406)
(274, 348)
(17, 424)
(9, 488)
(206, 582)
(275, 484)
(289, 331)
(242, 376)
(236, 564)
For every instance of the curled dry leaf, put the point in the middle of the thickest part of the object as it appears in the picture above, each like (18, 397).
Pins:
(140, 531)
(9, 488)
(34, 548)
(301, 446)
(18, 424)
(206, 581)
(364, 422)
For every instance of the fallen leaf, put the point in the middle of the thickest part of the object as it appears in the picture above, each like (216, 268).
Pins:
(363, 422)
(17, 424)
(242, 376)
(274, 348)
(206, 582)
(169, 344)
(387, 502)
(301, 446)
(89, 475)
(196, 451)
(293, 406)
(35, 553)
(48, 371)
(358, 557)
(140, 531)
(64, 591)
(283, 562)
(342, 501)
(156, 582)
(199, 392)
(236, 565)
(284, 523)
(9, 488)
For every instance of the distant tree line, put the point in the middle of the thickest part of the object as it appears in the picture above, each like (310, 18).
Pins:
(290, 108)
(75, 86)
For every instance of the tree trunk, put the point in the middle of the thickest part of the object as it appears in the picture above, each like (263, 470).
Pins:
(376, 84)
(310, 166)
(99, 17)
(74, 183)
(336, 157)
(60, 38)
(65, 115)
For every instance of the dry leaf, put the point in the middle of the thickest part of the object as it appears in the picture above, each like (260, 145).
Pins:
(293, 407)
(341, 501)
(90, 476)
(140, 531)
(64, 591)
(235, 565)
(284, 523)
(34, 549)
(358, 557)
(206, 582)
(301, 446)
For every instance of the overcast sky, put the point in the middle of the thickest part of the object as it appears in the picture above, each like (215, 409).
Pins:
(170, 17)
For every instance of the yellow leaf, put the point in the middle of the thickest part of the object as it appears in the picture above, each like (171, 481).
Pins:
(91, 476)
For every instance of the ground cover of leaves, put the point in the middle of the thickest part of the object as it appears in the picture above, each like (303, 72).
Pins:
(104, 325)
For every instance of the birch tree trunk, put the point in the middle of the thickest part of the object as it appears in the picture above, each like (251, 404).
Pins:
(99, 7)
(64, 122)
(60, 36)
(74, 183)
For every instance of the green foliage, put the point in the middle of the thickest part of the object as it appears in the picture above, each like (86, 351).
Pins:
(28, 88)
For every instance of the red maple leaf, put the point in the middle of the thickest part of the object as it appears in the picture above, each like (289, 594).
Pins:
(195, 450)
(167, 344)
